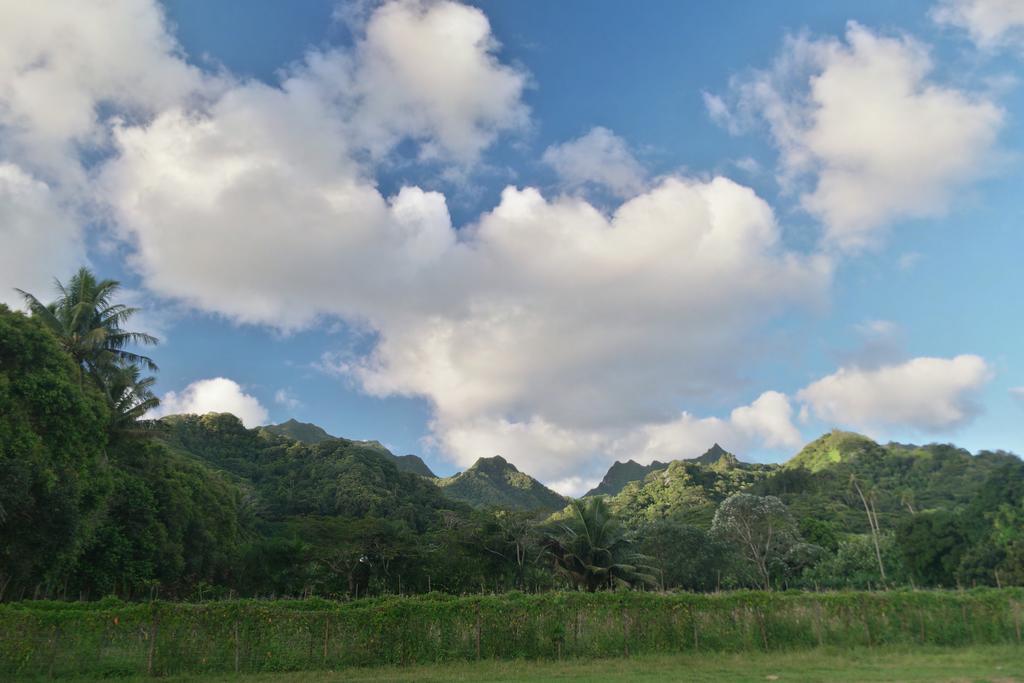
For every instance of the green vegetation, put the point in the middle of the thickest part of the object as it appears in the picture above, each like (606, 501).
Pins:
(592, 550)
(117, 638)
(53, 443)
(495, 482)
(622, 473)
(299, 431)
(688, 490)
(924, 664)
(313, 434)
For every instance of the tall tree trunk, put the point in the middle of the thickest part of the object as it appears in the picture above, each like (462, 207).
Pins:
(873, 523)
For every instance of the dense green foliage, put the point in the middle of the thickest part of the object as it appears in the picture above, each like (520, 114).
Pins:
(592, 550)
(299, 431)
(53, 477)
(622, 473)
(687, 490)
(312, 434)
(115, 638)
(495, 482)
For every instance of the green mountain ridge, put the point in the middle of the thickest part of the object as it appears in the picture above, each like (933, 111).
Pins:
(830, 449)
(495, 482)
(689, 490)
(309, 433)
(305, 432)
(620, 474)
(333, 476)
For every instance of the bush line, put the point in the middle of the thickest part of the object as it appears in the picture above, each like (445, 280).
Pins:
(114, 638)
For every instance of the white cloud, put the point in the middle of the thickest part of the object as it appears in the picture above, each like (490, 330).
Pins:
(573, 486)
(428, 71)
(61, 60)
(748, 165)
(544, 449)
(217, 395)
(601, 158)
(861, 118)
(544, 310)
(990, 23)
(38, 239)
(1017, 393)
(926, 394)
(62, 64)
(284, 397)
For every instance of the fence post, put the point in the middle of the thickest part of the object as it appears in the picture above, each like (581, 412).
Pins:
(478, 630)
(1016, 618)
(154, 629)
(327, 633)
(625, 630)
(696, 631)
(236, 645)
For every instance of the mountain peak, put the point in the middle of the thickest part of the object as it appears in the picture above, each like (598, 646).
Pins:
(495, 481)
(622, 473)
(716, 455)
(305, 432)
(832, 448)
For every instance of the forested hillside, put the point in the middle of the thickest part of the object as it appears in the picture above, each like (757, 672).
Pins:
(312, 434)
(98, 500)
(496, 483)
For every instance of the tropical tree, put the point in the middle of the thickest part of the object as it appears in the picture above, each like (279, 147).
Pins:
(683, 555)
(760, 527)
(129, 395)
(89, 325)
(591, 549)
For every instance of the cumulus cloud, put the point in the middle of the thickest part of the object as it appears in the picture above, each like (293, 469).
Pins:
(216, 395)
(61, 61)
(926, 394)
(990, 23)
(38, 238)
(62, 65)
(862, 119)
(545, 310)
(600, 158)
(426, 71)
(546, 448)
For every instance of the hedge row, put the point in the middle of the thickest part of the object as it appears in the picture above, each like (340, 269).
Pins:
(112, 638)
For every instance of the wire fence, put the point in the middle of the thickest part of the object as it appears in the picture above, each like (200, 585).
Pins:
(112, 638)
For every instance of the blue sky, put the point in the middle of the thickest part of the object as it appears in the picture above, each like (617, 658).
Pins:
(744, 222)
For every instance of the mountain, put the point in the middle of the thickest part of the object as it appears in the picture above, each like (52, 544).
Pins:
(622, 473)
(832, 448)
(414, 465)
(718, 457)
(900, 480)
(308, 433)
(333, 477)
(495, 482)
(689, 490)
(299, 431)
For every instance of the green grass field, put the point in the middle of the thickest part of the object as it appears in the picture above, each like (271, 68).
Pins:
(994, 664)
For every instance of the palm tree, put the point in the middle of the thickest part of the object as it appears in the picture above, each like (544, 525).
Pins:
(592, 550)
(88, 325)
(129, 395)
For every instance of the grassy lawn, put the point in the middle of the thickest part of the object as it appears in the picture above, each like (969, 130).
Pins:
(995, 664)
